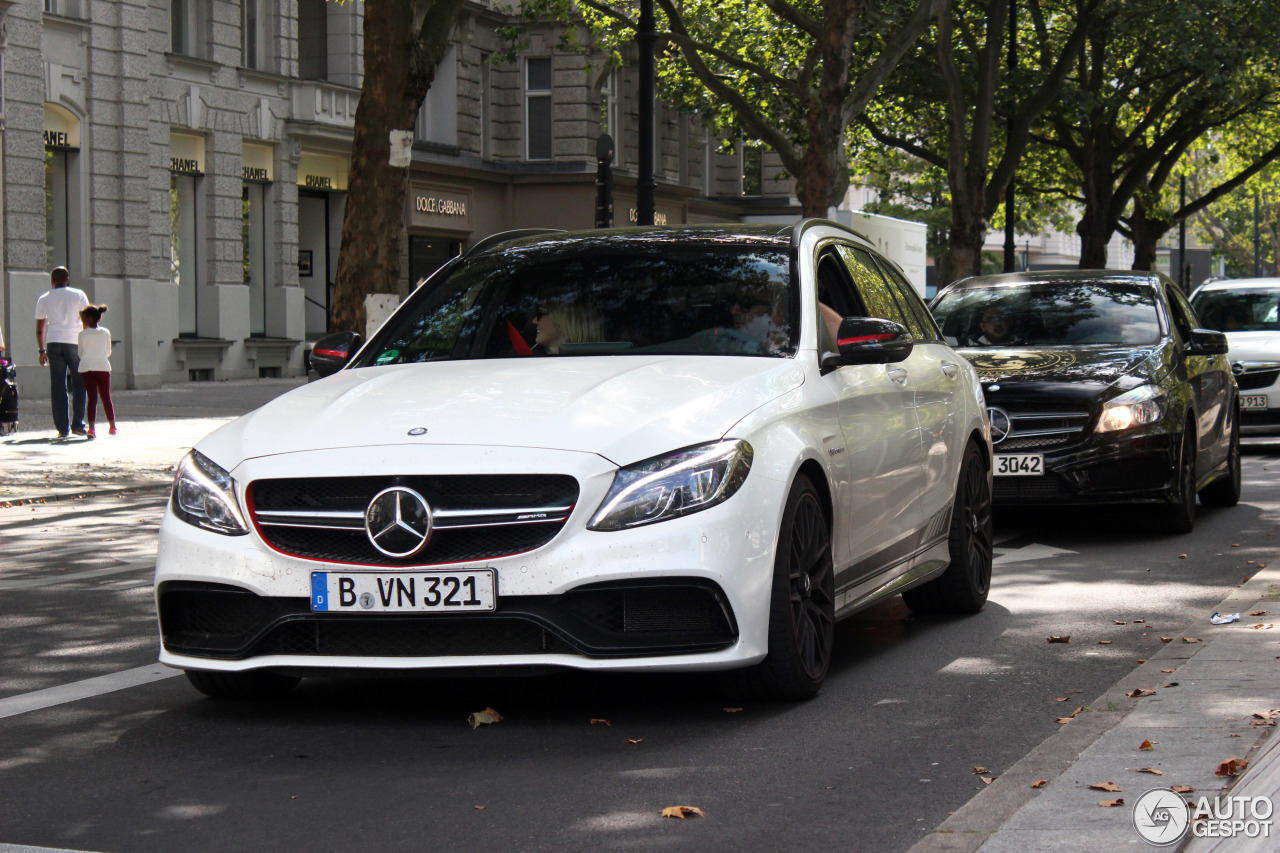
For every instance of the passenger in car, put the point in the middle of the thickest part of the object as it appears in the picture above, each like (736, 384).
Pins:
(566, 322)
(998, 329)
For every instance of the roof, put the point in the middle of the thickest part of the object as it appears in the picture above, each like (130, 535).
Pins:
(1064, 276)
(642, 237)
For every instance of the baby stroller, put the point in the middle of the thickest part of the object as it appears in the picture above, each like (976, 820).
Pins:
(8, 397)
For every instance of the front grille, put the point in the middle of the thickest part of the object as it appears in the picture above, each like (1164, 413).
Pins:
(476, 517)
(1039, 426)
(1251, 380)
(1012, 490)
(665, 616)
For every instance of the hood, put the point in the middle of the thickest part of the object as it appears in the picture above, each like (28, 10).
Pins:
(623, 408)
(1253, 346)
(1077, 372)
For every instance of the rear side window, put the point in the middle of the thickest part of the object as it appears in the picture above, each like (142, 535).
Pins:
(874, 290)
(911, 302)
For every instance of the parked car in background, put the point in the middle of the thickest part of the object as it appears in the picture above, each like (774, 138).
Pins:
(1102, 388)
(642, 449)
(1248, 311)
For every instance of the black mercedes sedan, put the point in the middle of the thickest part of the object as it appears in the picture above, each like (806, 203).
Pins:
(1101, 388)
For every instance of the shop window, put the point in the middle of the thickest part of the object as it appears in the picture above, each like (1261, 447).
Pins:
(66, 8)
(428, 254)
(752, 170)
(438, 116)
(313, 40)
(186, 27)
(183, 248)
(537, 108)
(57, 208)
(253, 236)
(609, 106)
(255, 33)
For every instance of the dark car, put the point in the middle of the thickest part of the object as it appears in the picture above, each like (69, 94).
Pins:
(1101, 388)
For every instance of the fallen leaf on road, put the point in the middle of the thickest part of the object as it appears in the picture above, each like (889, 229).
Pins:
(1111, 787)
(978, 771)
(682, 811)
(987, 779)
(1056, 639)
(1262, 565)
(1118, 622)
(1169, 670)
(1139, 692)
(1110, 804)
(1166, 639)
(484, 718)
(1070, 716)
(480, 808)
(1190, 639)
(1146, 744)
(1250, 562)
(732, 710)
(1040, 783)
(1257, 613)
(632, 740)
(1142, 660)
(1262, 626)
(1273, 714)
(1235, 544)
(1060, 699)
(1262, 722)
(597, 721)
(1139, 621)
(1231, 767)
(1104, 642)
(1151, 770)
(1184, 789)
(1182, 556)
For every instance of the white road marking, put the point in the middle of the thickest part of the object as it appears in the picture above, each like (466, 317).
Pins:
(50, 696)
(53, 580)
(22, 848)
(1027, 553)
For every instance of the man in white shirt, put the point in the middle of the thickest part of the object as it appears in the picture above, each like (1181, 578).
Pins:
(57, 330)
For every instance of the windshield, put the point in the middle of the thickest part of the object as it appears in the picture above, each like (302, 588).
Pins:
(1253, 310)
(1049, 314)
(578, 299)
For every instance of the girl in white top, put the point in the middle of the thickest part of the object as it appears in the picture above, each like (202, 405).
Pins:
(95, 365)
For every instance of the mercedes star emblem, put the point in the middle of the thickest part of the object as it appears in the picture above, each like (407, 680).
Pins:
(1001, 425)
(398, 522)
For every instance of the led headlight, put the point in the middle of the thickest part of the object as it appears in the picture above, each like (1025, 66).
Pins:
(1142, 405)
(205, 495)
(673, 485)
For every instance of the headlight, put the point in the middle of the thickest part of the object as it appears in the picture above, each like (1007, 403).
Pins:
(205, 495)
(1142, 405)
(673, 485)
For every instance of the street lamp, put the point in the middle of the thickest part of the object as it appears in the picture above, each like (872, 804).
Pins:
(1010, 248)
(646, 38)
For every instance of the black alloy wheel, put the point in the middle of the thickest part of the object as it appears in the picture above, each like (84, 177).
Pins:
(1225, 491)
(1180, 516)
(802, 604)
(964, 586)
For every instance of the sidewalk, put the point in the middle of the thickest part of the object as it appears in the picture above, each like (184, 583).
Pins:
(156, 428)
(1199, 715)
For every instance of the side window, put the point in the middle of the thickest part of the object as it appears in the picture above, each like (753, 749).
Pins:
(836, 297)
(911, 301)
(874, 290)
(1189, 313)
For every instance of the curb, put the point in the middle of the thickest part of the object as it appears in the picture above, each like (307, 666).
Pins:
(974, 823)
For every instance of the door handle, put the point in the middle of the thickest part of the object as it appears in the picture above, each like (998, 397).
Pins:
(949, 370)
(897, 374)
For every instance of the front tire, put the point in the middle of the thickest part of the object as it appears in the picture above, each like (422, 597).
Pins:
(241, 685)
(1180, 516)
(964, 586)
(1225, 491)
(801, 604)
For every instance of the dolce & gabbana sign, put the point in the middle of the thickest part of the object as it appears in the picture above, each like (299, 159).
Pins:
(439, 207)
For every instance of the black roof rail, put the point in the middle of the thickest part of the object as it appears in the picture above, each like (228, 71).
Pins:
(506, 236)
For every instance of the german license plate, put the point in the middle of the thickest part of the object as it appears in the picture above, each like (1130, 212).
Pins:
(1019, 464)
(1253, 401)
(403, 592)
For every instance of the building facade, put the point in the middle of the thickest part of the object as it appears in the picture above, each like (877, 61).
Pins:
(187, 160)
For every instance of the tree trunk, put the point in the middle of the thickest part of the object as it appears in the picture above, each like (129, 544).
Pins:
(1145, 232)
(400, 59)
(964, 246)
(822, 177)
(1095, 226)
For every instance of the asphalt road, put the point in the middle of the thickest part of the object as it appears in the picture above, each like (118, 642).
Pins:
(878, 759)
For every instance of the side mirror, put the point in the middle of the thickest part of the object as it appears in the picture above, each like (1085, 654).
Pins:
(870, 340)
(1207, 342)
(332, 352)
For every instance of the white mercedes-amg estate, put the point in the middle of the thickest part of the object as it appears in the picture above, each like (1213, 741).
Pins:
(688, 448)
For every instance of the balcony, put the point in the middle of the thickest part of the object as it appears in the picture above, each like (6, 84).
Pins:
(324, 103)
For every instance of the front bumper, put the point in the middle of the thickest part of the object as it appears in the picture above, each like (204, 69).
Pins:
(1136, 466)
(689, 593)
